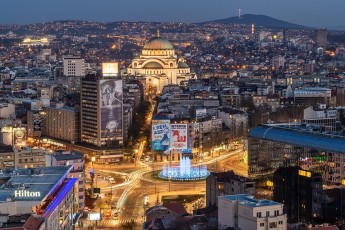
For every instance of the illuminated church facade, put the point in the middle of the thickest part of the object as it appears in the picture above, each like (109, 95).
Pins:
(159, 65)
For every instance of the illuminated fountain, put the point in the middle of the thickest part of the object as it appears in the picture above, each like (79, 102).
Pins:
(184, 172)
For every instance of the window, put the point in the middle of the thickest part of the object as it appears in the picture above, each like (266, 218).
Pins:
(267, 213)
(273, 224)
(262, 224)
(258, 214)
(280, 222)
(276, 213)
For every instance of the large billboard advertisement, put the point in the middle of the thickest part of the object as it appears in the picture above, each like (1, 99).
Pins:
(111, 108)
(110, 69)
(160, 135)
(178, 136)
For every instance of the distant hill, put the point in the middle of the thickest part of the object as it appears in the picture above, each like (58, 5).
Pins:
(258, 20)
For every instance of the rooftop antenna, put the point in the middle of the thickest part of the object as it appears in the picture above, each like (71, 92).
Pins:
(239, 13)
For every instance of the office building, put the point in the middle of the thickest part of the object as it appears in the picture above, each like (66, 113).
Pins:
(278, 62)
(102, 113)
(301, 193)
(226, 183)
(62, 123)
(76, 159)
(46, 192)
(30, 157)
(306, 145)
(73, 66)
(244, 212)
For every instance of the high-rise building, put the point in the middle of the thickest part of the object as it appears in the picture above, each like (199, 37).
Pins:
(301, 193)
(101, 111)
(73, 66)
(321, 37)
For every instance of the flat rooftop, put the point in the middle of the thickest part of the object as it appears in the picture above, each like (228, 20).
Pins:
(300, 136)
(40, 182)
(248, 200)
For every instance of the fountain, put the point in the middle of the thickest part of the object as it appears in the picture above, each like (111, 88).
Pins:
(184, 172)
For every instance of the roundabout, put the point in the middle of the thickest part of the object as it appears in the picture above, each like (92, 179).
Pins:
(184, 172)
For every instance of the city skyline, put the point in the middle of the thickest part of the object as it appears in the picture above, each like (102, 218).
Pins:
(299, 12)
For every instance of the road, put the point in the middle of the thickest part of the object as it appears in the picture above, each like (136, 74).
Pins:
(138, 184)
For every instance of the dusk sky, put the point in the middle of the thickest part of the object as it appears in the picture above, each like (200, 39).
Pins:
(305, 12)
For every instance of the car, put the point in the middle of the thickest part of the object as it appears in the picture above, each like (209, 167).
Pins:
(98, 176)
(112, 180)
(88, 181)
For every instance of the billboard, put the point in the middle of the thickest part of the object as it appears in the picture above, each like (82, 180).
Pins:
(200, 113)
(36, 121)
(160, 135)
(94, 216)
(110, 69)
(110, 94)
(19, 136)
(178, 136)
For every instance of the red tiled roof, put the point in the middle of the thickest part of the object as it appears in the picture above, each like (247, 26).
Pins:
(176, 207)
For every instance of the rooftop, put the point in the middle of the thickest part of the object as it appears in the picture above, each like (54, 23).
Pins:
(300, 136)
(248, 200)
(41, 181)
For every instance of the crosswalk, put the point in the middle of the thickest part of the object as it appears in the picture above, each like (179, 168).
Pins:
(119, 222)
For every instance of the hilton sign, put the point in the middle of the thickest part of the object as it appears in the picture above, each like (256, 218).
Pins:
(24, 193)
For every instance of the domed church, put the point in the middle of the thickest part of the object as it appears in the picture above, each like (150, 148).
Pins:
(159, 65)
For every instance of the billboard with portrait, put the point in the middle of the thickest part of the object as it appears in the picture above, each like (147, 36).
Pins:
(111, 104)
(178, 136)
(160, 135)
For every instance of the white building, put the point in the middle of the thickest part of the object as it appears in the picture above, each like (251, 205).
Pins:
(76, 159)
(246, 213)
(73, 66)
(7, 110)
(45, 192)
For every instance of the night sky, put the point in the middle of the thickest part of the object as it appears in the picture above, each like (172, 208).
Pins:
(305, 12)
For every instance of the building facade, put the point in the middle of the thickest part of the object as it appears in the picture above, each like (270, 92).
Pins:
(76, 159)
(226, 183)
(272, 146)
(101, 111)
(73, 66)
(245, 212)
(301, 193)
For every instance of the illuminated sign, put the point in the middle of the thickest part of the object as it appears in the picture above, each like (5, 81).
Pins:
(19, 136)
(160, 135)
(24, 193)
(110, 69)
(95, 216)
(304, 173)
(178, 138)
